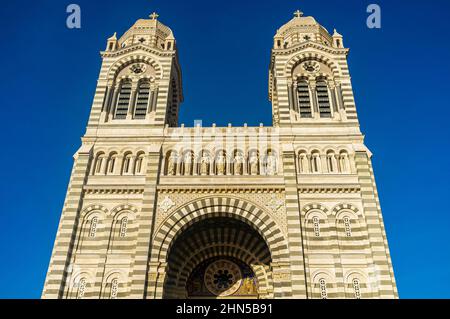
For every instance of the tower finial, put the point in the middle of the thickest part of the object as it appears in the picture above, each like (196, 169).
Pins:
(154, 16)
(298, 14)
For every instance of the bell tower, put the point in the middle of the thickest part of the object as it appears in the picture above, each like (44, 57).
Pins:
(140, 79)
(309, 81)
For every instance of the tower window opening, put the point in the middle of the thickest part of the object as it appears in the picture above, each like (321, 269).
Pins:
(323, 99)
(123, 101)
(304, 100)
(142, 100)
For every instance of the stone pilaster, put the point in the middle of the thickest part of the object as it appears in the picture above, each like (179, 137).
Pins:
(140, 280)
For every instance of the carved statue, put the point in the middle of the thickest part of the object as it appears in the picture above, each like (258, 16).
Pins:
(316, 163)
(248, 286)
(238, 162)
(187, 160)
(304, 165)
(271, 168)
(204, 162)
(253, 161)
(344, 162)
(220, 164)
(171, 169)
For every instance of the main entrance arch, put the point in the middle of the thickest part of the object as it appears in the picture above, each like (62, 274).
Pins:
(218, 257)
(203, 239)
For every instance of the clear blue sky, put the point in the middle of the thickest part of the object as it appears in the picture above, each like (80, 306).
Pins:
(400, 75)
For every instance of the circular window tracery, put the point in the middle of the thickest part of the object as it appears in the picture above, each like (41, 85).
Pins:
(223, 278)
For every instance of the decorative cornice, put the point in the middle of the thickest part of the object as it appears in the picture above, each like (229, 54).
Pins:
(211, 189)
(309, 44)
(100, 190)
(136, 47)
(329, 190)
(166, 189)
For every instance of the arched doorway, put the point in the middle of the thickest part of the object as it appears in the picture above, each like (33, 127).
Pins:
(218, 257)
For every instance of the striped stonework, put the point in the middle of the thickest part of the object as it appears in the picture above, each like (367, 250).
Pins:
(60, 267)
(155, 210)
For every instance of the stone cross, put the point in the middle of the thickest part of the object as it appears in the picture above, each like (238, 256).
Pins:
(154, 16)
(298, 14)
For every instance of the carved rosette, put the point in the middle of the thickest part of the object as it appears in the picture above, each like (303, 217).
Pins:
(311, 67)
(166, 204)
(274, 203)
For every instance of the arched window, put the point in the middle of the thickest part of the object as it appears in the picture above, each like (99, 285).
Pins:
(143, 96)
(81, 288)
(323, 99)
(93, 227)
(114, 288)
(126, 168)
(99, 164)
(123, 100)
(323, 288)
(112, 163)
(357, 288)
(304, 99)
(316, 225)
(347, 227)
(123, 226)
(138, 167)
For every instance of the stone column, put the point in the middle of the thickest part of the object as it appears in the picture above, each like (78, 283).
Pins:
(290, 99)
(115, 96)
(104, 165)
(332, 94)
(154, 99)
(132, 103)
(295, 97)
(340, 98)
(313, 97)
(156, 277)
(106, 104)
(150, 100)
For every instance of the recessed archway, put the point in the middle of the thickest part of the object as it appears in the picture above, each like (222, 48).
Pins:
(218, 257)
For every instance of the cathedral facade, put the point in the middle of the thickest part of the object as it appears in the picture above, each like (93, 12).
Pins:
(157, 210)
